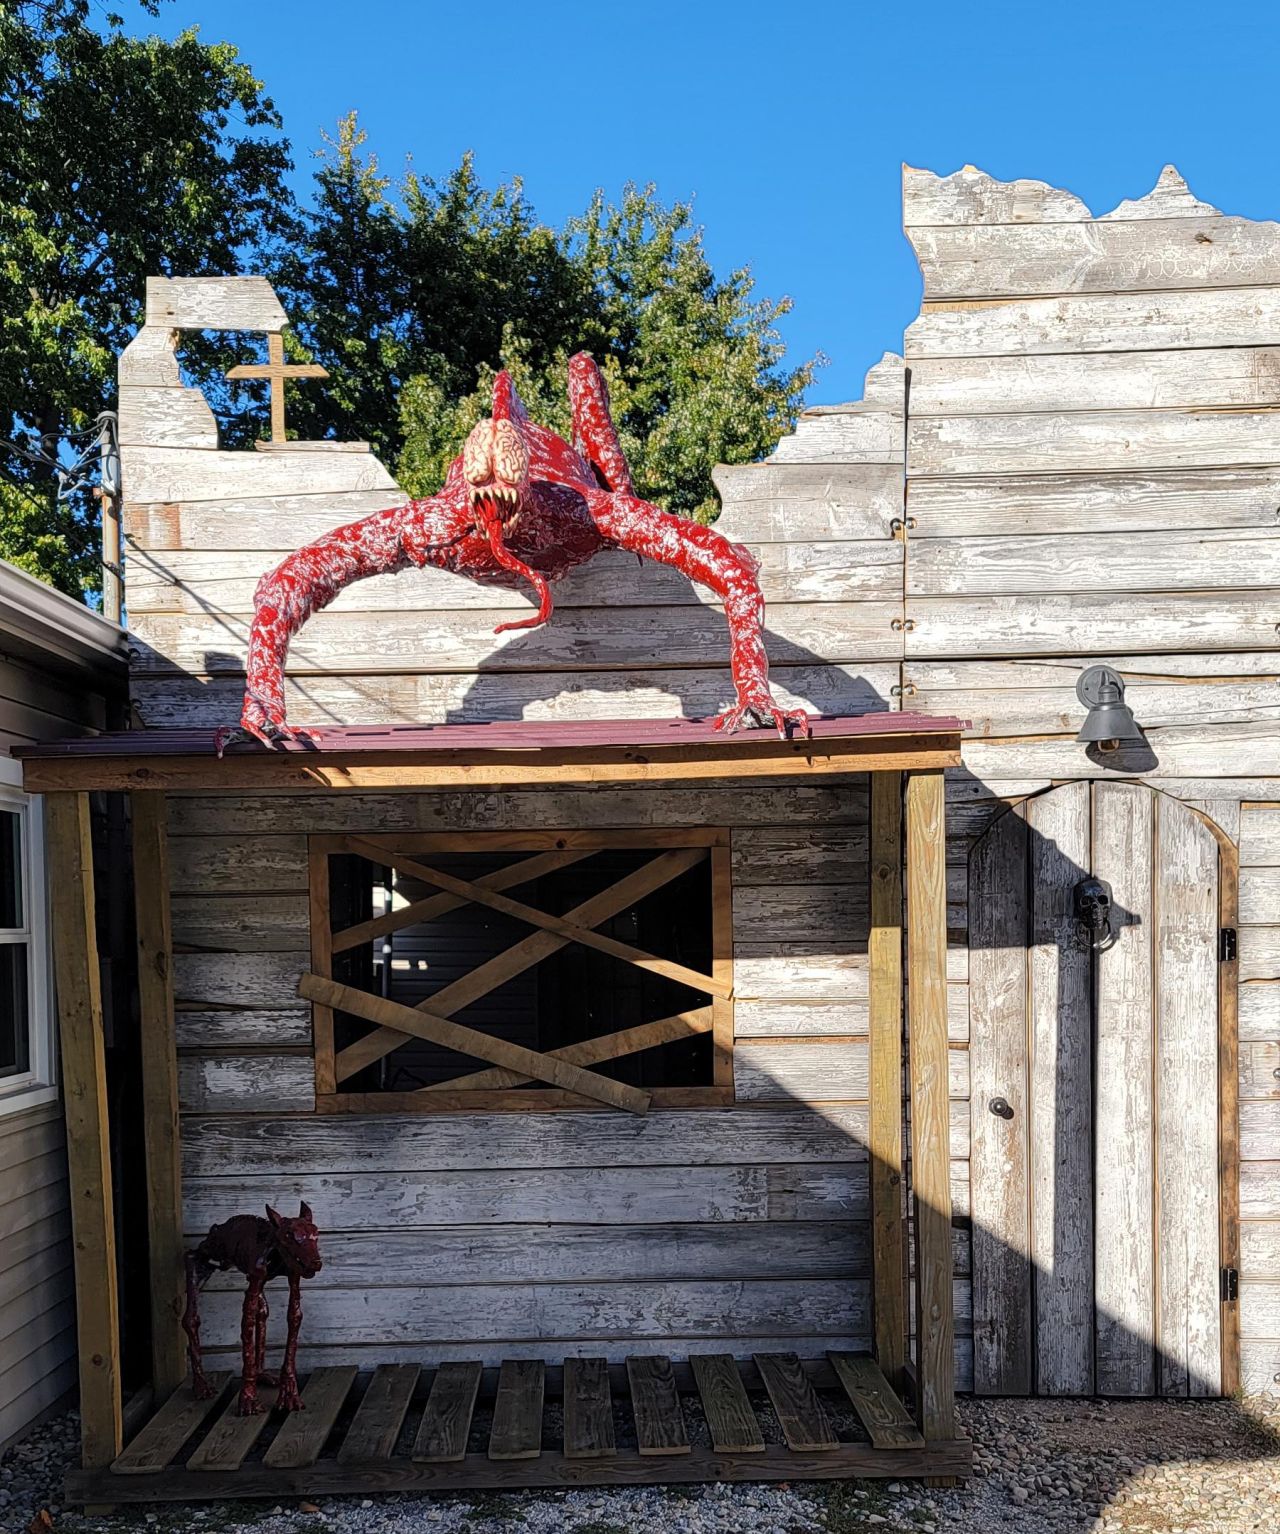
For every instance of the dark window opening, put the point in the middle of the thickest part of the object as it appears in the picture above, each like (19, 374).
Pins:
(569, 995)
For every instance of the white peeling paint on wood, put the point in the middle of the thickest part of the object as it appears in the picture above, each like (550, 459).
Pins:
(218, 1083)
(1188, 1324)
(193, 474)
(793, 502)
(1205, 378)
(977, 261)
(222, 582)
(1218, 497)
(214, 303)
(1061, 1092)
(1124, 1227)
(1097, 322)
(165, 417)
(590, 1195)
(600, 639)
(197, 701)
(1231, 558)
(417, 1146)
(1091, 442)
(1260, 835)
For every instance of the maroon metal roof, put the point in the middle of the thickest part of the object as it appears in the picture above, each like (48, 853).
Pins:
(503, 735)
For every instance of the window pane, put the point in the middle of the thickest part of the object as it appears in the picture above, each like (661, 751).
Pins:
(15, 1033)
(10, 869)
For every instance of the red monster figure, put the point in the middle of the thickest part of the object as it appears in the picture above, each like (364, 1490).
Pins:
(261, 1250)
(519, 504)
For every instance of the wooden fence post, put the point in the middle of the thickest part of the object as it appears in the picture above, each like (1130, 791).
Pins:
(930, 1108)
(888, 1229)
(84, 1089)
(159, 1089)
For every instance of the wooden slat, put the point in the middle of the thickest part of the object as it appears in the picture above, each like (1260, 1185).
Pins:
(467, 889)
(380, 1415)
(232, 1436)
(660, 1426)
(552, 1470)
(748, 759)
(159, 1069)
(886, 1419)
(470, 1041)
(998, 916)
(1188, 1322)
(1231, 1126)
(722, 881)
(610, 1046)
(731, 1419)
(801, 1415)
(446, 1419)
(433, 906)
(69, 847)
(319, 892)
(303, 1434)
(524, 954)
(160, 1441)
(930, 1122)
(517, 1410)
(588, 1409)
(888, 1227)
(1124, 1233)
(1061, 1032)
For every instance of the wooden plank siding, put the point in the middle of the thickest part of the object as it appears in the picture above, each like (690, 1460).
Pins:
(1093, 477)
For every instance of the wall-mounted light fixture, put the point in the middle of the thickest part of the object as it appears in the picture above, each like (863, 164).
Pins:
(1109, 721)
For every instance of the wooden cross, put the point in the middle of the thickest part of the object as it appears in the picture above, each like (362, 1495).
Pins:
(277, 370)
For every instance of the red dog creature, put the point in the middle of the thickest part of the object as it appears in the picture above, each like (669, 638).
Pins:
(261, 1250)
(519, 504)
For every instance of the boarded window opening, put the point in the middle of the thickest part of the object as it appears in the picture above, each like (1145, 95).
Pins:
(631, 1015)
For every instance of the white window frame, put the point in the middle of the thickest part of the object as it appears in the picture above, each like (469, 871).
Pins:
(39, 1083)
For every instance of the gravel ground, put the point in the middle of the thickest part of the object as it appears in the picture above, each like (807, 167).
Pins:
(1042, 1467)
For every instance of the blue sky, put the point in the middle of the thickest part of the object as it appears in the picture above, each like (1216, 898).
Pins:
(787, 123)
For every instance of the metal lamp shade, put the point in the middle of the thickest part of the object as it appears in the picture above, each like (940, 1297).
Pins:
(1109, 718)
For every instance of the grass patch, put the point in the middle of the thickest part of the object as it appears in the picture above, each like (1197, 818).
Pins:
(845, 1505)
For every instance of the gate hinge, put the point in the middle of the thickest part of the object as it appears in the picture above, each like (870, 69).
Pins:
(1230, 1284)
(1226, 944)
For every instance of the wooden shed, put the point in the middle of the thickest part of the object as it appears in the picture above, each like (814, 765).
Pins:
(1076, 461)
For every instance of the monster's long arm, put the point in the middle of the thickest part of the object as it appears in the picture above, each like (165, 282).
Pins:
(312, 577)
(699, 552)
(725, 568)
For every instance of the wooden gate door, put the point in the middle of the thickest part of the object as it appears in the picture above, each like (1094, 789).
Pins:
(1095, 1099)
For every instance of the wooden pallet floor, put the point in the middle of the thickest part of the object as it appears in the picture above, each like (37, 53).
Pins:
(409, 1429)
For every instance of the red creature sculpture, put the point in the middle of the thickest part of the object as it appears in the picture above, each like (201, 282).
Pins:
(519, 504)
(261, 1250)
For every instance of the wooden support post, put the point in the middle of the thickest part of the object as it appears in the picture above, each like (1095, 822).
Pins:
(888, 1228)
(159, 1089)
(930, 1113)
(84, 1088)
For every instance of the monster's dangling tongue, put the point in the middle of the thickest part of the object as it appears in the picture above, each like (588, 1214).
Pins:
(490, 524)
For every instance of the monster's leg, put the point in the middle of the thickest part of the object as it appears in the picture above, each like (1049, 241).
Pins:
(312, 577)
(249, 1405)
(289, 1398)
(725, 568)
(594, 434)
(260, 1343)
(197, 1272)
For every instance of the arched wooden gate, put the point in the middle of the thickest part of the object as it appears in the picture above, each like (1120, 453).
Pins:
(1095, 1098)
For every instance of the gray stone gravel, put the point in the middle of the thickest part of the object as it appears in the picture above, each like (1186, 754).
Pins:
(1042, 1467)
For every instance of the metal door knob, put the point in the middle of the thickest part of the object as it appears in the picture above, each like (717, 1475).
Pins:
(1000, 1108)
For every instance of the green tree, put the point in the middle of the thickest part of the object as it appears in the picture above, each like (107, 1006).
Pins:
(117, 164)
(414, 295)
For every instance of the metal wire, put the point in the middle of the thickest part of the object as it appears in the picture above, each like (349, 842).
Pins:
(100, 452)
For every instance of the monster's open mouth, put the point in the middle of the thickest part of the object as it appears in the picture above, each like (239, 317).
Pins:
(498, 500)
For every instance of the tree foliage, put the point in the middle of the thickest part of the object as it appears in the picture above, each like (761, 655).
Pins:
(126, 157)
(413, 298)
(118, 163)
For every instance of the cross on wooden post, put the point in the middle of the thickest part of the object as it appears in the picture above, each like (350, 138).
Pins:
(277, 370)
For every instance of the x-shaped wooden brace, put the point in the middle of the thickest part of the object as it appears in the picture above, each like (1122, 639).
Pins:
(430, 1019)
